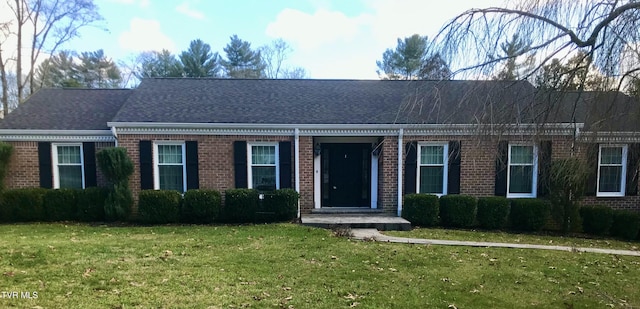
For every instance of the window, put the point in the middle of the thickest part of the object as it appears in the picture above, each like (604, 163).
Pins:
(523, 171)
(170, 166)
(612, 170)
(432, 168)
(263, 169)
(68, 169)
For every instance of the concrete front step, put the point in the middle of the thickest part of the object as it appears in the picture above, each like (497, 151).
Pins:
(353, 220)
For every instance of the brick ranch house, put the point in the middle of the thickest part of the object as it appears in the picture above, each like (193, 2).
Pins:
(339, 143)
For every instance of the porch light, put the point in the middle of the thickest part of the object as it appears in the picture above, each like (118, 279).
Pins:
(317, 149)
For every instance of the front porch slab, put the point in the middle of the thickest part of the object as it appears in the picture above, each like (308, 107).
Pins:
(377, 221)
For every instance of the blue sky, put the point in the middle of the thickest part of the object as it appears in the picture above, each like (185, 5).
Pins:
(330, 39)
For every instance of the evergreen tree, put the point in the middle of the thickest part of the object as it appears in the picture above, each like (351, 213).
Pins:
(199, 61)
(241, 61)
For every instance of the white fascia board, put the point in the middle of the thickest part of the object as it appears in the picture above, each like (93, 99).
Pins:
(57, 135)
(339, 129)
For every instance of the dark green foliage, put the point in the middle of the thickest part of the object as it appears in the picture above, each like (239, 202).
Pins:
(567, 186)
(116, 165)
(457, 210)
(492, 212)
(626, 224)
(282, 203)
(201, 206)
(529, 214)
(421, 209)
(118, 204)
(597, 219)
(91, 204)
(159, 206)
(23, 205)
(240, 205)
(5, 155)
(60, 204)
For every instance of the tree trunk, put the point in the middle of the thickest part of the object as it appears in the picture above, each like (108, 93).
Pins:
(5, 86)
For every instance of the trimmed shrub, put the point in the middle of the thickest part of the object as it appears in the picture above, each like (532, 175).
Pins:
(597, 219)
(201, 206)
(492, 212)
(458, 210)
(421, 209)
(5, 154)
(159, 206)
(116, 166)
(23, 205)
(626, 224)
(60, 204)
(91, 204)
(240, 205)
(282, 203)
(529, 214)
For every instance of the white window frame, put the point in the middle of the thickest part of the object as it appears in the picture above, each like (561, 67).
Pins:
(534, 181)
(445, 164)
(623, 176)
(56, 172)
(156, 164)
(250, 165)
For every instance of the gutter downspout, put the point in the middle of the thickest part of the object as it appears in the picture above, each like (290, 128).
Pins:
(115, 134)
(296, 146)
(400, 143)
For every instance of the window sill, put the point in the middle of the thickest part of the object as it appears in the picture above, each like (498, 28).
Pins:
(610, 194)
(521, 195)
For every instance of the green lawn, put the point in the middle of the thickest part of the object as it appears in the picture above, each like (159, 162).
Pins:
(289, 266)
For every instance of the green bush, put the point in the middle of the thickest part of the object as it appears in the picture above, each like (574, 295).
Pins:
(283, 204)
(159, 206)
(529, 214)
(597, 219)
(492, 212)
(91, 204)
(5, 155)
(116, 166)
(421, 209)
(240, 205)
(60, 204)
(201, 206)
(23, 205)
(458, 210)
(626, 224)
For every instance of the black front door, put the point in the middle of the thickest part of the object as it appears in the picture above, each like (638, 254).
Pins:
(346, 180)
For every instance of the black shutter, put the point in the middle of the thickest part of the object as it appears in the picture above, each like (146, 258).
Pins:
(89, 153)
(544, 168)
(453, 178)
(501, 168)
(240, 164)
(146, 165)
(633, 156)
(193, 180)
(410, 168)
(44, 162)
(285, 164)
(592, 165)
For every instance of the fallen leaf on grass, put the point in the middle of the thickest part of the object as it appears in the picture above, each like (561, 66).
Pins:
(452, 306)
(87, 272)
(286, 288)
(136, 284)
(353, 304)
(9, 274)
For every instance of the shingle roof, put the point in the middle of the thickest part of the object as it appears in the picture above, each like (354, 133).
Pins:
(320, 101)
(67, 109)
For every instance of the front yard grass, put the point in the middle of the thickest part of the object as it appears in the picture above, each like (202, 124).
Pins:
(290, 266)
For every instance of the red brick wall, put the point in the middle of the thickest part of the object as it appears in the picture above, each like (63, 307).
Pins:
(24, 169)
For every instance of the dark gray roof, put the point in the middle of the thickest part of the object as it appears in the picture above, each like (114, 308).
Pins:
(309, 101)
(67, 109)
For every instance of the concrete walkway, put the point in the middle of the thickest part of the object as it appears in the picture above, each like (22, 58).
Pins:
(373, 234)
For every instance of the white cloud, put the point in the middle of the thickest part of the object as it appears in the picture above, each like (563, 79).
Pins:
(145, 34)
(309, 31)
(185, 9)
